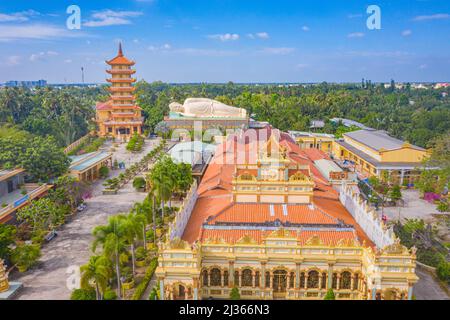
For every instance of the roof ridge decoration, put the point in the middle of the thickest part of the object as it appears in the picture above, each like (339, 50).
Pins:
(314, 241)
(246, 239)
(279, 233)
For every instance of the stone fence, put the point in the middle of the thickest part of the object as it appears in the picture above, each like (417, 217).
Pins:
(176, 228)
(366, 217)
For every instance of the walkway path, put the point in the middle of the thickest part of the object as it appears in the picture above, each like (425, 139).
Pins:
(427, 288)
(47, 281)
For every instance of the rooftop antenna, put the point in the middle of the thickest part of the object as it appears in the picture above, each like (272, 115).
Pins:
(82, 75)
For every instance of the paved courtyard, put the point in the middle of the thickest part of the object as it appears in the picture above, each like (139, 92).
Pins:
(414, 208)
(47, 281)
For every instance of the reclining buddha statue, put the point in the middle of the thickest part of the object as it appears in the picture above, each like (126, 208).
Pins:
(206, 108)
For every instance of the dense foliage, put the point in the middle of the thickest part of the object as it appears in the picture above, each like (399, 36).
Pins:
(39, 156)
(413, 115)
(61, 113)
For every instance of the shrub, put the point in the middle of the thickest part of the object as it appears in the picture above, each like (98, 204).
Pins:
(103, 171)
(330, 295)
(443, 271)
(139, 183)
(154, 294)
(443, 206)
(83, 294)
(109, 295)
(234, 294)
(148, 276)
(141, 253)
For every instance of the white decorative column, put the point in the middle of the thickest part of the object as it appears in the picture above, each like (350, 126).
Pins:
(161, 289)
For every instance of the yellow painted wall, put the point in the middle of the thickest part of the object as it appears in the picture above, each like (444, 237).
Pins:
(403, 155)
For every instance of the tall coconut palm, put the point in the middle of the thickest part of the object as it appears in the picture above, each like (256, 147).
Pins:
(131, 231)
(110, 237)
(97, 271)
(162, 185)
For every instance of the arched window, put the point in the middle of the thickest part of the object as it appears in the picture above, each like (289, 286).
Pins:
(225, 278)
(302, 280)
(324, 281)
(267, 279)
(346, 280)
(215, 279)
(356, 282)
(205, 278)
(257, 275)
(247, 279)
(291, 280)
(236, 278)
(334, 281)
(313, 279)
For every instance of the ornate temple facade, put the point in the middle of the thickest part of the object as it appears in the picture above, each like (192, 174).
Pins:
(265, 220)
(4, 284)
(120, 117)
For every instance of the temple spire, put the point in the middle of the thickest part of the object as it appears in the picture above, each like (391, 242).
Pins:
(120, 54)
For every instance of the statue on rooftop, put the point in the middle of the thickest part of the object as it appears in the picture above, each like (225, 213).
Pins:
(207, 108)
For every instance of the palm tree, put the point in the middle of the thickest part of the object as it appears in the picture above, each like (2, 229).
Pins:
(131, 228)
(97, 271)
(110, 237)
(162, 185)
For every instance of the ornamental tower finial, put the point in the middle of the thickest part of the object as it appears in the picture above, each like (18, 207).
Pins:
(120, 54)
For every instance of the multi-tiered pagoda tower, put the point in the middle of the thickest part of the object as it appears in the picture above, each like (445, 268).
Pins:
(120, 117)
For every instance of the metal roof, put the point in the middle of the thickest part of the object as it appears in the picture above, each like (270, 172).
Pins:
(377, 140)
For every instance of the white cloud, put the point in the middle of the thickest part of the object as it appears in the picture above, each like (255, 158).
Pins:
(438, 16)
(33, 31)
(385, 54)
(13, 60)
(111, 18)
(355, 35)
(277, 51)
(206, 52)
(406, 33)
(42, 55)
(17, 16)
(164, 47)
(135, 40)
(305, 28)
(260, 35)
(423, 66)
(68, 61)
(225, 37)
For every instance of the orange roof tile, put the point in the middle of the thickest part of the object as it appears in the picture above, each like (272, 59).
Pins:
(215, 197)
(233, 236)
(264, 212)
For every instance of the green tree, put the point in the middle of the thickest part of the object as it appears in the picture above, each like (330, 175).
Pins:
(42, 214)
(25, 256)
(7, 238)
(329, 295)
(96, 272)
(83, 294)
(395, 193)
(234, 294)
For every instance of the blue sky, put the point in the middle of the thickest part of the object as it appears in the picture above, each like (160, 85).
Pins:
(228, 40)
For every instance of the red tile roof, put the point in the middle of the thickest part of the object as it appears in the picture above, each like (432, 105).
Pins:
(302, 236)
(215, 198)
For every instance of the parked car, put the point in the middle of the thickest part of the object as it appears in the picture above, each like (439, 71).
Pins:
(51, 235)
